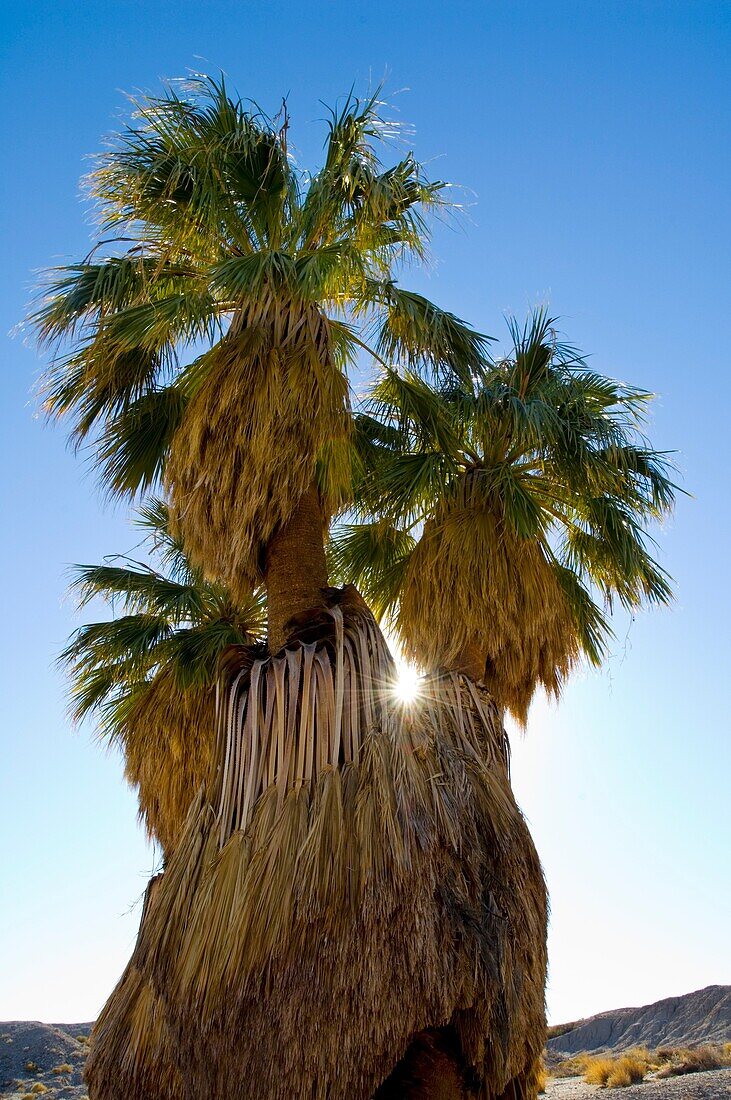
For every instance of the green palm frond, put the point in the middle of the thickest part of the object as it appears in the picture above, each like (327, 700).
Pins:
(147, 676)
(134, 443)
(374, 557)
(417, 334)
(526, 490)
(138, 589)
(236, 295)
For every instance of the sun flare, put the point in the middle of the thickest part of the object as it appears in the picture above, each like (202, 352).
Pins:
(408, 685)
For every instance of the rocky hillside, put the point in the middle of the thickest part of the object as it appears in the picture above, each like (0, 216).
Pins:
(700, 1017)
(50, 1054)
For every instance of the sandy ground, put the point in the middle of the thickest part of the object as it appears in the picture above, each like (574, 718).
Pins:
(711, 1085)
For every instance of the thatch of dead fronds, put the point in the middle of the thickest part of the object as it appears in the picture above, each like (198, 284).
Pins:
(504, 515)
(130, 1052)
(147, 676)
(517, 617)
(170, 753)
(248, 444)
(385, 886)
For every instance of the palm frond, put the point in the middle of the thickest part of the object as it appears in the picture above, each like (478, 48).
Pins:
(147, 677)
(374, 557)
(528, 489)
(133, 448)
(417, 334)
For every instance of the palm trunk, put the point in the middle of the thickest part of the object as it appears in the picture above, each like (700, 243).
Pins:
(471, 661)
(295, 570)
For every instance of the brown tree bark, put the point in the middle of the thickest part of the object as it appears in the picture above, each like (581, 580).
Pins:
(471, 661)
(431, 1069)
(295, 567)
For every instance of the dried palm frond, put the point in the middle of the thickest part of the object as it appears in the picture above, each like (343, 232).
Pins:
(504, 512)
(358, 855)
(148, 676)
(169, 750)
(131, 1049)
(516, 614)
(208, 347)
(246, 450)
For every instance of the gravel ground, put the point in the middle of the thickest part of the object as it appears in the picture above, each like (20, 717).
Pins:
(711, 1085)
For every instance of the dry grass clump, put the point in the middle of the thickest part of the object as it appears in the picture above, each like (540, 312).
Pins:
(677, 1061)
(628, 1069)
(570, 1067)
(38, 1088)
(616, 1072)
(597, 1070)
(63, 1068)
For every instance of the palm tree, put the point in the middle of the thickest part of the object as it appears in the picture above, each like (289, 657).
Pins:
(356, 878)
(148, 675)
(211, 345)
(500, 510)
(148, 679)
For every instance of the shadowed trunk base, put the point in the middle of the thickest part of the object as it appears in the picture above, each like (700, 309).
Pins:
(430, 1070)
(471, 661)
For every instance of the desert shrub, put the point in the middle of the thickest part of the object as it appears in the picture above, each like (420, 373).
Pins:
(616, 1072)
(680, 1060)
(63, 1068)
(597, 1070)
(619, 1078)
(570, 1067)
(38, 1088)
(31, 1067)
(641, 1054)
(28, 1096)
(626, 1070)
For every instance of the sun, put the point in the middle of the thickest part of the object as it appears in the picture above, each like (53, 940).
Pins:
(408, 686)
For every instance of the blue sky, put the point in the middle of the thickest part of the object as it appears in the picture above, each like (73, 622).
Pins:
(592, 143)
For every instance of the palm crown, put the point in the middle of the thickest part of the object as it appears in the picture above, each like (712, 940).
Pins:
(212, 344)
(497, 509)
(147, 676)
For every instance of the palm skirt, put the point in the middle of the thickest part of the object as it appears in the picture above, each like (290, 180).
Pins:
(357, 879)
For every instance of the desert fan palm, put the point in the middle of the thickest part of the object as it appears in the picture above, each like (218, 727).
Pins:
(148, 675)
(354, 875)
(208, 341)
(505, 513)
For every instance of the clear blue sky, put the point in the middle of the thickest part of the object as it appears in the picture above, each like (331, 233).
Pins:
(593, 138)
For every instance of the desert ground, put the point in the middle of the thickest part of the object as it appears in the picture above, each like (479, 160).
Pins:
(711, 1085)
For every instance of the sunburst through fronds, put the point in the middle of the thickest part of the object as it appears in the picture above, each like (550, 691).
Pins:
(499, 516)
